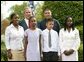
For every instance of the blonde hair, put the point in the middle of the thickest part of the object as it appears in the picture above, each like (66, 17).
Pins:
(27, 8)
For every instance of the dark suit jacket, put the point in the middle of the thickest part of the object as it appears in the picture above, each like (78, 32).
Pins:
(42, 25)
(23, 24)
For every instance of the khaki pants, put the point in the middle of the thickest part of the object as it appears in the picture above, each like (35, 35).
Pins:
(17, 56)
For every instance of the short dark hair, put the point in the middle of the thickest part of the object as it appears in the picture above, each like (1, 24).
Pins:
(49, 20)
(11, 16)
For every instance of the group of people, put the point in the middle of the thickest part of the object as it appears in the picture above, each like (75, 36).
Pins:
(29, 40)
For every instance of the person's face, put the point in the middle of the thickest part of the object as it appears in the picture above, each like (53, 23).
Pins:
(15, 19)
(69, 22)
(47, 14)
(33, 22)
(50, 24)
(27, 13)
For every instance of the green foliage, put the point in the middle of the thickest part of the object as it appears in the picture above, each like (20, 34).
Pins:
(38, 13)
(19, 9)
(3, 52)
(80, 28)
(80, 51)
(4, 55)
(61, 9)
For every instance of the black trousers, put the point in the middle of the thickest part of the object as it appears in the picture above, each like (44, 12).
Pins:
(50, 56)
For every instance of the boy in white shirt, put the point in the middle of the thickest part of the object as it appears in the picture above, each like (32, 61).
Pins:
(50, 41)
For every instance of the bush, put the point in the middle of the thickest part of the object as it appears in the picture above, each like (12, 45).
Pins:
(4, 55)
(61, 9)
(80, 28)
(3, 52)
(80, 51)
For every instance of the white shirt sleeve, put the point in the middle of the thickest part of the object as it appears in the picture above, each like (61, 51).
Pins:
(76, 41)
(42, 40)
(62, 49)
(7, 38)
(58, 44)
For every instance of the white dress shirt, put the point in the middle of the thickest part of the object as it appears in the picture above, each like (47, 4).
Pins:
(69, 40)
(54, 41)
(27, 22)
(14, 37)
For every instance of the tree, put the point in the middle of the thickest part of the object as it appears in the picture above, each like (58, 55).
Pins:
(4, 24)
(38, 12)
(61, 9)
(19, 9)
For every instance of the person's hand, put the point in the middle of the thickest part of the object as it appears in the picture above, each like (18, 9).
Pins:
(9, 54)
(71, 51)
(66, 52)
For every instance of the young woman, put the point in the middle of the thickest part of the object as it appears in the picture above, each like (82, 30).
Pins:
(69, 41)
(14, 36)
(32, 35)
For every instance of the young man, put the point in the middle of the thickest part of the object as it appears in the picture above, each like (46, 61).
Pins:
(47, 15)
(50, 41)
(25, 22)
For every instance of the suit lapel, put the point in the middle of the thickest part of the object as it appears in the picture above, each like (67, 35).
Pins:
(24, 24)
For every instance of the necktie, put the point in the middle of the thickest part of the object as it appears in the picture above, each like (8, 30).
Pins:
(49, 39)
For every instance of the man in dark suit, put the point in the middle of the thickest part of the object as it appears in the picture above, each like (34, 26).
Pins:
(25, 22)
(47, 15)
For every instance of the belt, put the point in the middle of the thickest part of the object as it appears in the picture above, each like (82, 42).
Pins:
(20, 50)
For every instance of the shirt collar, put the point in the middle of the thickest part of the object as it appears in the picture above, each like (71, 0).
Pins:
(70, 30)
(26, 19)
(12, 26)
(48, 30)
